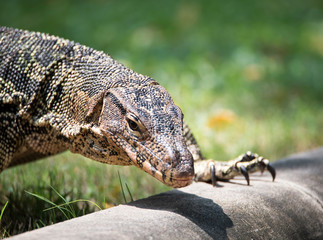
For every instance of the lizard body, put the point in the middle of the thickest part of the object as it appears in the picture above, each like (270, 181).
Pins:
(58, 95)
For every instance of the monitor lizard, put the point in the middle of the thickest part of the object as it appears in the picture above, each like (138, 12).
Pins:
(58, 95)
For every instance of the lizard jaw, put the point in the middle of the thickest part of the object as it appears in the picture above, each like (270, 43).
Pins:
(179, 176)
(144, 158)
(167, 178)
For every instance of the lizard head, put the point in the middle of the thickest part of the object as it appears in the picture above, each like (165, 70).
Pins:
(146, 125)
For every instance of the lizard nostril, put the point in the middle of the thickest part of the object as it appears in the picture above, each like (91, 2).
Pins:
(173, 157)
(182, 162)
(176, 157)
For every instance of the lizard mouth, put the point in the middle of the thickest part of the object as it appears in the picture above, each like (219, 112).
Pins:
(177, 176)
(167, 177)
(178, 183)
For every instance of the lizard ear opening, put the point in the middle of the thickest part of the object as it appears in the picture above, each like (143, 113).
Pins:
(94, 108)
(111, 112)
(101, 106)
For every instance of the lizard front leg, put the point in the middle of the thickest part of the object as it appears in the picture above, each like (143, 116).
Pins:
(211, 171)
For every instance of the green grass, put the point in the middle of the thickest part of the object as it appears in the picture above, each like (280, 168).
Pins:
(3, 231)
(65, 208)
(259, 61)
(66, 178)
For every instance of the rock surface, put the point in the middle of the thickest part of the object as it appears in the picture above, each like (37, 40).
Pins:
(289, 208)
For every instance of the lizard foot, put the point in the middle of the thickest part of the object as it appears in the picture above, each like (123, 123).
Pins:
(212, 171)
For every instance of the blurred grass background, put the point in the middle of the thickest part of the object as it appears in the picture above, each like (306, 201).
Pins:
(247, 75)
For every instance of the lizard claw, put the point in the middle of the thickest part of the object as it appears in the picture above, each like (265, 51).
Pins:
(271, 170)
(213, 177)
(269, 167)
(245, 173)
(213, 171)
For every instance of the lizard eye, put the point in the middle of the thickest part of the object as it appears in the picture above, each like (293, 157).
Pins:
(133, 124)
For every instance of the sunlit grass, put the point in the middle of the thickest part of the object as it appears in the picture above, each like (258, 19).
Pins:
(66, 181)
(66, 208)
(3, 231)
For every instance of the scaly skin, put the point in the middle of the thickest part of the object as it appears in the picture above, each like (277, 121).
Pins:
(57, 95)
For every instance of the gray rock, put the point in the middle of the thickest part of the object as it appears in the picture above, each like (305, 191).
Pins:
(289, 208)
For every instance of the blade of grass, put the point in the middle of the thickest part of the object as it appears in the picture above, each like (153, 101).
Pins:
(72, 211)
(42, 223)
(2, 211)
(50, 202)
(4, 234)
(131, 198)
(1, 214)
(122, 190)
(74, 201)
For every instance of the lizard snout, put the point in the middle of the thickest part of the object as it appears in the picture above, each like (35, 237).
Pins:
(182, 170)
